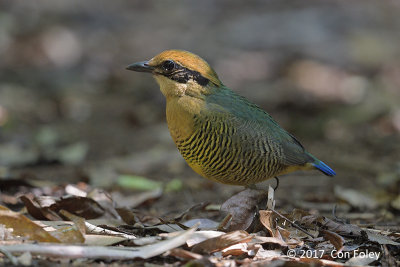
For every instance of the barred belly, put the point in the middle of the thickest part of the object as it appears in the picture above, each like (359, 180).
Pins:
(225, 154)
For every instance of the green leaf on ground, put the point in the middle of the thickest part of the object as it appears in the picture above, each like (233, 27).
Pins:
(137, 182)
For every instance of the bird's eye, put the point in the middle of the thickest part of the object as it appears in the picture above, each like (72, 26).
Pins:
(168, 65)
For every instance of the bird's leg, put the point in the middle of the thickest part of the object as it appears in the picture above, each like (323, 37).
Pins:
(277, 183)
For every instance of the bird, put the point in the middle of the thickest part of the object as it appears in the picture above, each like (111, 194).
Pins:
(221, 135)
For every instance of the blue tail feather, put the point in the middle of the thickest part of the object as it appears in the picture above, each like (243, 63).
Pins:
(324, 168)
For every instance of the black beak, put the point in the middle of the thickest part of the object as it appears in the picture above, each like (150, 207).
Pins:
(140, 67)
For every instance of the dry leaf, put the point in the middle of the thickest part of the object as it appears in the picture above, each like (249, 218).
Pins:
(268, 240)
(267, 218)
(221, 242)
(201, 236)
(235, 250)
(336, 240)
(127, 215)
(75, 191)
(38, 212)
(135, 199)
(242, 207)
(43, 208)
(317, 262)
(362, 260)
(78, 221)
(355, 198)
(262, 253)
(204, 223)
(387, 258)
(192, 210)
(104, 199)
(81, 206)
(24, 227)
(184, 254)
(65, 231)
(68, 234)
(381, 239)
(343, 229)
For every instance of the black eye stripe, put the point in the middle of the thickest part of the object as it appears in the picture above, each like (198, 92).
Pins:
(184, 75)
(181, 74)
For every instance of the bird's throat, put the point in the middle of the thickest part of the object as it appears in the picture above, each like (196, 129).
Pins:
(170, 88)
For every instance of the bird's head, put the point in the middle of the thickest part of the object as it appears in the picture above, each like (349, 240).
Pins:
(179, 73)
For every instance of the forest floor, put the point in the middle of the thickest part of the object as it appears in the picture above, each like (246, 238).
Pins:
(90, 175)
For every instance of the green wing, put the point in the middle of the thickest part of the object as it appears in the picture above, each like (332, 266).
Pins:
(252, 121)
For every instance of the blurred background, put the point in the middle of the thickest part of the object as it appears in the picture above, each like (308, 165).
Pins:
(327, 71)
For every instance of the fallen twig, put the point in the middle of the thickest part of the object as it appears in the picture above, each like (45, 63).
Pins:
(6, 253)
(293, 224)
(100, 252)
(93, 229)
